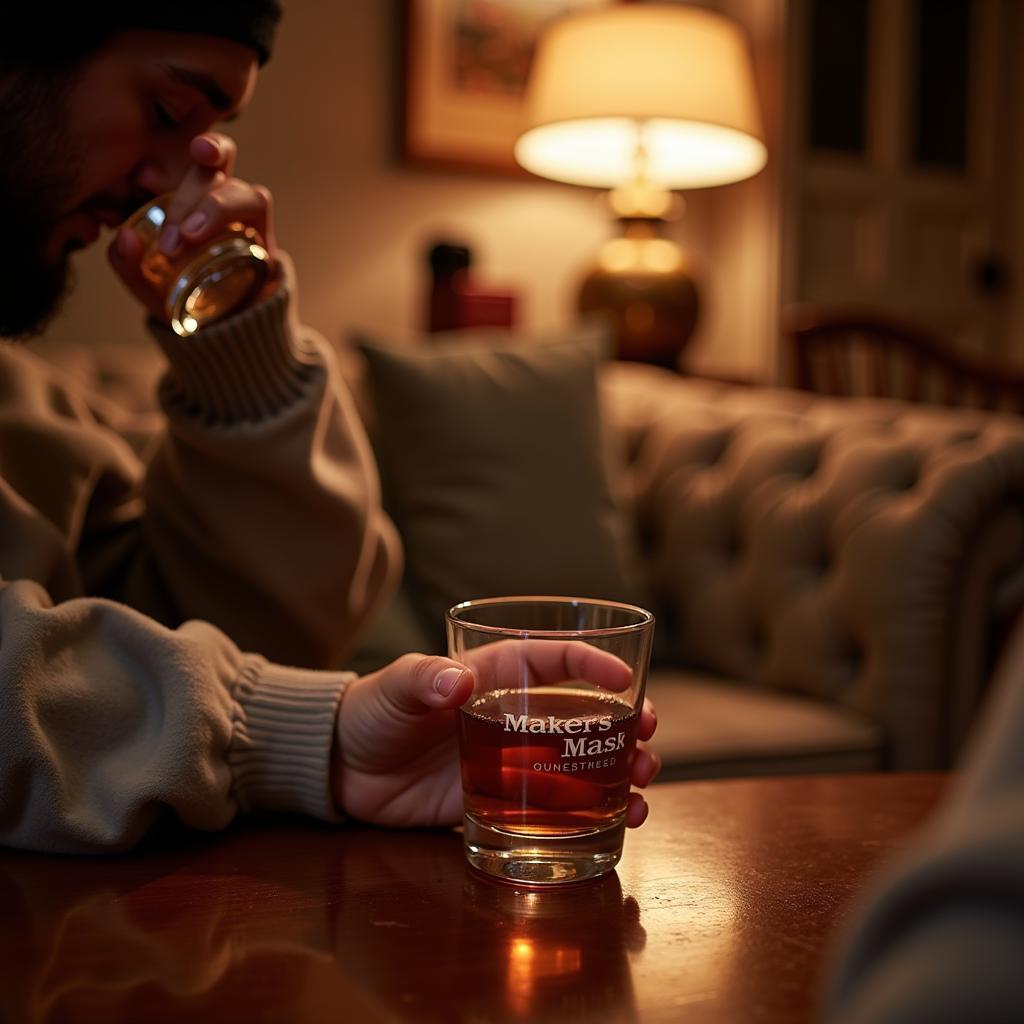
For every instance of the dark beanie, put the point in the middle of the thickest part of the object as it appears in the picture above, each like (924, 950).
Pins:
(35, 32)
(251, 22)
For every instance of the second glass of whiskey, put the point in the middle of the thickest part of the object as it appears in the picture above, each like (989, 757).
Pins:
(547, 739)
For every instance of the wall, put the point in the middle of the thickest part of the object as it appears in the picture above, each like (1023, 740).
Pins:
(320, 134)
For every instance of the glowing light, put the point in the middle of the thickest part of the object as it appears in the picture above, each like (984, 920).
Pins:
(660, 93)
(602, 152)
(650, 255)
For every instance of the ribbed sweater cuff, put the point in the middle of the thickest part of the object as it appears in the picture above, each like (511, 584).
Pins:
(244, 368)
(280, 753)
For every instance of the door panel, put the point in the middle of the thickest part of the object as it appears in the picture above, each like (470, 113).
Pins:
(904, 223)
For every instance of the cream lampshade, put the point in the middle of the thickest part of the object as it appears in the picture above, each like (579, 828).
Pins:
(643, 98)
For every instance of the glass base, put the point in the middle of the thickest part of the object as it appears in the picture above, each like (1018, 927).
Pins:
(541, 859)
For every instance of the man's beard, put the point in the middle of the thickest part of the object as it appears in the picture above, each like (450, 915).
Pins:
(37, 181)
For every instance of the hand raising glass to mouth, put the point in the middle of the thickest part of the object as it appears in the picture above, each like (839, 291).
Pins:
(204, 251)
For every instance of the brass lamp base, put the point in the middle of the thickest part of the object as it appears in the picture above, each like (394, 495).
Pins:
(646, 285)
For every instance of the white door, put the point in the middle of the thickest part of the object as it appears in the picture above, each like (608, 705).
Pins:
(901, 154)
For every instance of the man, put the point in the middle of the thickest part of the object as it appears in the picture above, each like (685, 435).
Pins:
(133, 596)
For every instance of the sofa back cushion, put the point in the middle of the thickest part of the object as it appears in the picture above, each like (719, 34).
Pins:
(824, 547)
(497, 472)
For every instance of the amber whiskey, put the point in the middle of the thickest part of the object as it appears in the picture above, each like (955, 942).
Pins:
(548, 761)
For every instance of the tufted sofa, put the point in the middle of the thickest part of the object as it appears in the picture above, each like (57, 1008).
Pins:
(832, 577)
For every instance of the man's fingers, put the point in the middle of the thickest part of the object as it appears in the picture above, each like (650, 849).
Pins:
(636, 811)
(520, 663)
(417, 683)
(645, 767)
(582, 661)
(235, 200)
(214, 150)
(213, 157)
(214, 209)
(265, 204)
(648, 721)
(196, 184)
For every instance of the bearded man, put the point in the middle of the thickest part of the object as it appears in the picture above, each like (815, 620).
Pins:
(171, 626)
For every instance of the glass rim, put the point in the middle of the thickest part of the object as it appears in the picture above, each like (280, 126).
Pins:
(646, 618)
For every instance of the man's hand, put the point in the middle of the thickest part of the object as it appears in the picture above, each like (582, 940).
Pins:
(204, 204)
(396, 758)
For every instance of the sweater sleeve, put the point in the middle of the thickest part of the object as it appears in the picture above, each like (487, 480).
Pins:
(108, 719)
(940, 938)
(262, 504)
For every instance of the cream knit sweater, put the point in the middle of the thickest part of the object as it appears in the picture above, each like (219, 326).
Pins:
(149, 604)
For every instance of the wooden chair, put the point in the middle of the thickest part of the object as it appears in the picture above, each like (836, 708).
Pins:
(853, 352)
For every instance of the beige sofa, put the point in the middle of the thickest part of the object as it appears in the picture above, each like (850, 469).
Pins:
(832, 578)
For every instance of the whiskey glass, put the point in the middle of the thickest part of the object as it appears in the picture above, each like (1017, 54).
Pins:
(546, 741)
(201, 287)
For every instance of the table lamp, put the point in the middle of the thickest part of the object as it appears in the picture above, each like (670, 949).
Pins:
(642, 99)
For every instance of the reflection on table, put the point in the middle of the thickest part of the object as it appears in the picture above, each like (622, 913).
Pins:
(720, 910)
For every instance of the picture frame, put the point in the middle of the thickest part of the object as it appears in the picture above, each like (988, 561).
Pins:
(464, 70)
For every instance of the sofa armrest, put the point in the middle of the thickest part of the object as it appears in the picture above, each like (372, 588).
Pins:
(860, 551)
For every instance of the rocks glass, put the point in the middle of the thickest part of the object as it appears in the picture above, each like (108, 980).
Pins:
(199, 288)
(547, 739)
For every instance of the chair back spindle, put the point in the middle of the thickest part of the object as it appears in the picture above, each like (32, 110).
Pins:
(851, 352)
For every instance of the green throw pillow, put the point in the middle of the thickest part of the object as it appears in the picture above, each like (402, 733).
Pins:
(496, 470)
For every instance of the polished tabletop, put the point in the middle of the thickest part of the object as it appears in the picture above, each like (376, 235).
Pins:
(721, 910)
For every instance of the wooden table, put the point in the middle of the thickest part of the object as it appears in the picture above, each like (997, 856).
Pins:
(720, 911)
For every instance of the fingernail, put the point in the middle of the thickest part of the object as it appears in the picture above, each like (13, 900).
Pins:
(447, 680)
(169, 239)
(194, 222)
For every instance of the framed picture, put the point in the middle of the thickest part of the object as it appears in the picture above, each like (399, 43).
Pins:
(466, 64)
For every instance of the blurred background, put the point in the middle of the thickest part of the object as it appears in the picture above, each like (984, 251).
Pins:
(894, 152)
